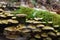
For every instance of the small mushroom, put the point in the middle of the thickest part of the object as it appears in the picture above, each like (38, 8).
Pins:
(12, 21)
(29, 21)
(48, 28)
(31, 27)
(13, 17)
(40, 26)
(36, 22)
(38, 19)
(44, 35)
(48, 38)
(11, 36)
(25, 30)
(10, 15)
(50, 22)
(3, 16)
(10, 29)
(43, 22)
(51, 34)
(36, 30)
(1, 13)
(4, 21)
(0, 22)
(15, 21)
(20, 26)
(56, 26)
(32, 39)
(37, 36)
(58, 34)
(21, 15)
(1, 10)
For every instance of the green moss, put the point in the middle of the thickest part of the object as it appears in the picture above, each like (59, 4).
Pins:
(56, 19)
(47, 16)
(24, 10)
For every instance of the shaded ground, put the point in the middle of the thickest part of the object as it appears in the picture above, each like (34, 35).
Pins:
(3, 38)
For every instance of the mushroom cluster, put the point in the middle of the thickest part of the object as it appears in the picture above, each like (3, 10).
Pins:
(33, 30)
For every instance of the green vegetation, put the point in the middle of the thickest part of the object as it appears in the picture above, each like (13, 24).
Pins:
(24, 10)
(47, 16)
(56, 19)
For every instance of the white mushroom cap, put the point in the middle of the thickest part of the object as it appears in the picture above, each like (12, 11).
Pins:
(48, 28)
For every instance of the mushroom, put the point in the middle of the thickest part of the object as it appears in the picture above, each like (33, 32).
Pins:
(38, 19)
(50, 22)
(0, 22)
(1, 10)
(51, 34)
(25, 30)
(48, 28)
(44, 35)
(36, 30)
(31, 27)
(56, 26)
(10, 15)
(3, 16)
(36, 22)
(40, 26)
(20, 27)
(4, 21)
(37, 36)
(58, 34)
(12, 21)
(10, 29)
(13, 17)
(29, 21)
(21, 15)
